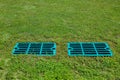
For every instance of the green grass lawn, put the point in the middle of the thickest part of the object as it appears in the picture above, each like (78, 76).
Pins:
(59, 21)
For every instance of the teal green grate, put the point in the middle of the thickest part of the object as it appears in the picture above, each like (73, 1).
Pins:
(89, 49)
(40, 49)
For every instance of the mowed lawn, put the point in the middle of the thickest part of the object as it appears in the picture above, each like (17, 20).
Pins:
(59, 21)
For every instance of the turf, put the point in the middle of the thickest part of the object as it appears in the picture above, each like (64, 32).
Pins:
(59, 21)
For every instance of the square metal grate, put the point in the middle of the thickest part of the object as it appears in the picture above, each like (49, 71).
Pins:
(41, 49)
(89, 49)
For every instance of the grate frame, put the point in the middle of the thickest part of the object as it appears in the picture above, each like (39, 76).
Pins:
(89, 49)
(36, 48)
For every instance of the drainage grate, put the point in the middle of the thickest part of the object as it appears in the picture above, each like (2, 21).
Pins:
(89, 49)
(42, 49)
